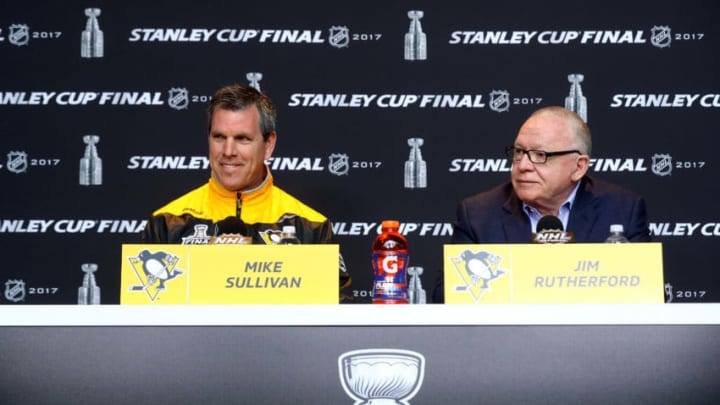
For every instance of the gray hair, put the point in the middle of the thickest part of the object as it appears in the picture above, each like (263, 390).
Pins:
(580, 130)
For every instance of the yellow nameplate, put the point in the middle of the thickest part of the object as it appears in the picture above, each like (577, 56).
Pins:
(554, 273)
(229, 274)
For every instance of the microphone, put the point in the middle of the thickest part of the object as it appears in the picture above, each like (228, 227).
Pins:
(550, 230)
(232, 231)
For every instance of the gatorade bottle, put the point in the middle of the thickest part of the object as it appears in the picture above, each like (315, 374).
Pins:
(390, 261)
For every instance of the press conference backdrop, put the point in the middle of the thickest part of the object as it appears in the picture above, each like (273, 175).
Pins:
(102, 119)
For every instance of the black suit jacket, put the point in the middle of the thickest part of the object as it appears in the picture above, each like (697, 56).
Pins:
(496, 216)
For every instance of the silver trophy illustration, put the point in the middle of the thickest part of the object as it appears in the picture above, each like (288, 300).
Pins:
(415, 39)
(91, 43)
(89, 292)
(254, 79)
(415, 166)
(575, 101)
(200, 237)
(90, 163)
(415, 290)
(381, 376)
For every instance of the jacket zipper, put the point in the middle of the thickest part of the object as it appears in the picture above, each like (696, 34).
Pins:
(238, 206)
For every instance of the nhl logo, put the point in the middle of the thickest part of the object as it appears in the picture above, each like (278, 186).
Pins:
(662, 164)
(338, 164)
(499, 100)
(15, 290)
(661, 36)
(19, 34)
(178, 98)
(339, 37)
(17, 162)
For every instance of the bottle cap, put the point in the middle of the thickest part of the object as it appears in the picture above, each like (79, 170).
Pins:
(391, 223)
(616, 228)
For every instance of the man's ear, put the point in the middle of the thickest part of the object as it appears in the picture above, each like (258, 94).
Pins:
(270, 144)
(582, 165)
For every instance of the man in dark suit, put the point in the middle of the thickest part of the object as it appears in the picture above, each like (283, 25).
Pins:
(496, 216)
(551, 156)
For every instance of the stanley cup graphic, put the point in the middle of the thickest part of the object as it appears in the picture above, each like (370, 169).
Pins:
(91, 43)
(254, 79)
(415, 167)
(416, 292)
(415, 40)
(575, 101)
(381, 376)
(90, 163)
(89, 292)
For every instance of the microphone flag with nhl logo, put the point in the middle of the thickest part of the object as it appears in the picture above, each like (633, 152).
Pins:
(551, 230)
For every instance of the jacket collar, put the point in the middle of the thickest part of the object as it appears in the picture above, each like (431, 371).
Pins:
(582, 215)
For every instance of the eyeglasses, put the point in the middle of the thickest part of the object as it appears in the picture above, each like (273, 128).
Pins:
(535, 156)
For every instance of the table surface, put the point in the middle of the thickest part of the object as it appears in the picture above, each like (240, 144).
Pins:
(359, 314)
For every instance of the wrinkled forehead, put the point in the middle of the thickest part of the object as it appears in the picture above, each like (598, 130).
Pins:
(545, 132)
